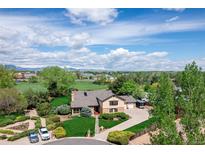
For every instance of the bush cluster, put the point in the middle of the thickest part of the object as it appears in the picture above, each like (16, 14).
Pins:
(63, 109)
(54, 125)
(59, 132)
(11, 119)
(120, 137)
(86, 112)
(9, 132)
(3, 137)
(111, 116)
(38, 123)
(43, 109)
(53, 121)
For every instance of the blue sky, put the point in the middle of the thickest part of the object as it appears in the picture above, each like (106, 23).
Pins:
(111, 39)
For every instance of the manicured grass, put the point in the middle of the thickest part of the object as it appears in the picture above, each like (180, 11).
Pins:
(109, 123)
(141, 126)
(78, 126)
(88, 85)
(24, 86)
(60, 101)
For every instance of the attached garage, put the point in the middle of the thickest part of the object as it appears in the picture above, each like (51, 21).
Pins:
(130, 105)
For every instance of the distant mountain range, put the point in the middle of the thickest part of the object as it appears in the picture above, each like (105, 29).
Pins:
(17, 68)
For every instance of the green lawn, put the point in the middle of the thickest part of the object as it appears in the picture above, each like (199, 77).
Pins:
(78, 126)
(109, 123)
(88, 85)
(141, 126)
(24, 86)
(60, 101)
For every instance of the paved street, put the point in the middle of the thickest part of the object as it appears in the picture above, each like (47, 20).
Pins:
(137, 116)
(78, 141)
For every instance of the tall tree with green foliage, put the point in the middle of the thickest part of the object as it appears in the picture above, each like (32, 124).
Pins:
(6, 77)
(58, 80)
(164, 111)
(11, 101)
(193, 103)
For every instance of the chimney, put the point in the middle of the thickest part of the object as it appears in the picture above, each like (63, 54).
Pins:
(85, 93)
(72, 95)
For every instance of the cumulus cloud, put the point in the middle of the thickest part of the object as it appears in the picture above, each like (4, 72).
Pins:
(99, 16)
(23, 44)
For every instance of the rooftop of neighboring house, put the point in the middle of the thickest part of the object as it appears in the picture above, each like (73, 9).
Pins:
(92, 98)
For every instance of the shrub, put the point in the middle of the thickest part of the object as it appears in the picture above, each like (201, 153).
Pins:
(111, 116)
(9, 132)
(43, 109)
(54, 125)
(63, 109)
(21, 118)
(59, 132)
(3, 137)
(85, 112)
(19, 135)
(6, 122)
(34, 118)
(52, 119)
(38, 123)
(120, 137)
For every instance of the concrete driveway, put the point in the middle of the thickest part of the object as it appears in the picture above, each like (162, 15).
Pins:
(137, 116)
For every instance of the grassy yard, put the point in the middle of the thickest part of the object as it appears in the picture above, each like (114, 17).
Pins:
(78, 126)
(141, 126)
(60, 101)
(109, 123)
(24, 86)
(88, 85)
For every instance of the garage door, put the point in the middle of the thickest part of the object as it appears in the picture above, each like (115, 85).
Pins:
(130, 106)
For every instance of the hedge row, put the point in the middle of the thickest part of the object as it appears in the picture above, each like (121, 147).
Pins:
(21, 135)
(111, 116)
(9, 132)
(8, 121)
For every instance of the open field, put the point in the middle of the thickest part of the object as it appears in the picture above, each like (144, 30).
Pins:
(88, 85)
(78, 126)
(24, 86)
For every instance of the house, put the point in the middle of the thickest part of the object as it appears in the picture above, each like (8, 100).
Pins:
(100, 101)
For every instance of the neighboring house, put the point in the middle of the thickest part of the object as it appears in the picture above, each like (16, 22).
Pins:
(100, 101)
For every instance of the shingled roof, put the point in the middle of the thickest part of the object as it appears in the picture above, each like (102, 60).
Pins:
(92, 98)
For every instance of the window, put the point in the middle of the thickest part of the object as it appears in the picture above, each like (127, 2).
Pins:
(113, 110)
(112, 103)
(76, 110)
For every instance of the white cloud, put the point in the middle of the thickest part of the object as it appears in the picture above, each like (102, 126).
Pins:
(19, 44)
(99, 16)
(172, 19)
(174, 9)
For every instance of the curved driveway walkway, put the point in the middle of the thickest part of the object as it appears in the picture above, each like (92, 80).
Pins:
(137, 116)
(78, 141)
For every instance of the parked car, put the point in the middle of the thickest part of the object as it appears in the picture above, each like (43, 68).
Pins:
(44, 134)
(33, 137)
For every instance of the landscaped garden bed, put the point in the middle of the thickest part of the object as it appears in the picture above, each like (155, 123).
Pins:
(21, 127)
(11, 119)
(79, 126)
(109, 120)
